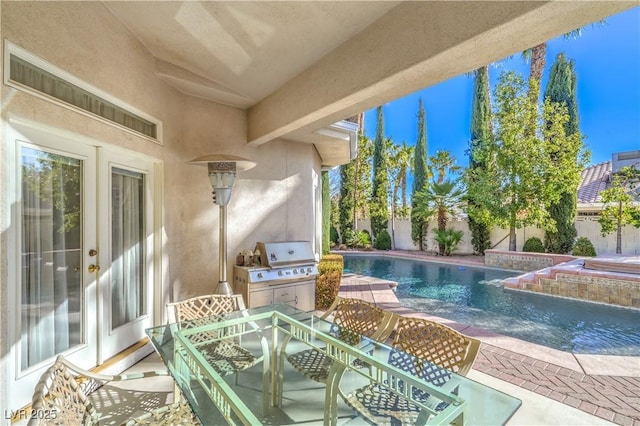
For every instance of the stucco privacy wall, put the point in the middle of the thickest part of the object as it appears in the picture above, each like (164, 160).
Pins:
(586, 227)
(274, 200)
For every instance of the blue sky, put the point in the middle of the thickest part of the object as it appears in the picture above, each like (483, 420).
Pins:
(607, 65)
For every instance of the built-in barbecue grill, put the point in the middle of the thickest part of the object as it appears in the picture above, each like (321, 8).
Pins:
(280, 272)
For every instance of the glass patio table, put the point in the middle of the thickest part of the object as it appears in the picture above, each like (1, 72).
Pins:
(272, 392)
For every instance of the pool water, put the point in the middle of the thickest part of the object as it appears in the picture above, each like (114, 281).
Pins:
(475, 296)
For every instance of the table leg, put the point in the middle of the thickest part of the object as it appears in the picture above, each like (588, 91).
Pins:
(277, 377)
(266, 375)
(331, 393)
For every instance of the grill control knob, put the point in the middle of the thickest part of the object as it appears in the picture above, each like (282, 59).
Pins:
(259, 274)
(309, 270)
(280, 273)
(295, 271)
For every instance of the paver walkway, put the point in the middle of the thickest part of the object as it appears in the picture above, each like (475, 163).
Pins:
(614, 398)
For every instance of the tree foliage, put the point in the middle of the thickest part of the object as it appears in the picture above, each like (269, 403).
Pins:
(480, 221)
(420, 177)
(399, 167)
(347, 198)
(378, 206)
(621, 205)
(355, 188)
(439, 199)
(443, 164)
(561, 89)
(55, 181)
(326, 214)
(481, 124)
(524, 182)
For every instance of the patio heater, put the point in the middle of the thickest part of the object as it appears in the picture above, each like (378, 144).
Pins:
(222, 170)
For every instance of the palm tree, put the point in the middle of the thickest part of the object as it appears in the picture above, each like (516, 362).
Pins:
(401, 156)
(537, 55)
(441, 199)
(442, 163)
(399, 164)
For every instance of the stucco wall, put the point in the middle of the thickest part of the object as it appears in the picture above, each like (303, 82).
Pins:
(586, 227)
(273, 201)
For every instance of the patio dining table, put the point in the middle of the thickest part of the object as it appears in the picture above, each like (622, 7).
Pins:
(274, 393)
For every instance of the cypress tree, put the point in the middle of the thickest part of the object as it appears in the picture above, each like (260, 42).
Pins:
(561, 89)
(326, 213)
(420, 175)
(346, 201)
(378, 206)
(481, 139)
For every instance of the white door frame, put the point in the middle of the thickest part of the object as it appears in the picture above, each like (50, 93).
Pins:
(66, 142)
(111, 341)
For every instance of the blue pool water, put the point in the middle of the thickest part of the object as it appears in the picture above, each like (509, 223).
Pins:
(475, 296)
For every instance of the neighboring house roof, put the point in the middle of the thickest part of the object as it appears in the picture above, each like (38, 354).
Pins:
(594, 179)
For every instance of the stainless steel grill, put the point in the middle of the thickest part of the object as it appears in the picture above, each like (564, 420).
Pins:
(283, 272)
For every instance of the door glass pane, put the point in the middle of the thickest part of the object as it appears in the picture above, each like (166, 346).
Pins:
(51, 247)
(127, 247)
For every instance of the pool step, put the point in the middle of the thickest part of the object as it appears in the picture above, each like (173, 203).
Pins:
(533, 280)
(571, 279)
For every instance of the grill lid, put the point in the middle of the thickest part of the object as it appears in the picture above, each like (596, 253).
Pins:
(285, 253)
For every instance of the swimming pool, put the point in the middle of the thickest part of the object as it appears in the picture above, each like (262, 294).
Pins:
(474, 296)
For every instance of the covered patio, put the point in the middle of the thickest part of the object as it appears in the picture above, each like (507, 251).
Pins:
(273, 82)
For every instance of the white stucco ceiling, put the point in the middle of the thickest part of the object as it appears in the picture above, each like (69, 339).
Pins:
(238, 52)
(298, 67)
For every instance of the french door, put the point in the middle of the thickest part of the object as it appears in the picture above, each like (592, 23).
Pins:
(83, 263)
(125, 203)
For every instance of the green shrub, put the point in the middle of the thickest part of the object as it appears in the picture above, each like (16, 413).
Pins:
(533, 245)
(583, 247)
(334, 237)
(383, 242)
(359, 239)
(449, 238)
(347, 235)
(328, 280)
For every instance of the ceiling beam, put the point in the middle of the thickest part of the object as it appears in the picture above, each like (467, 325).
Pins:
(415, 45)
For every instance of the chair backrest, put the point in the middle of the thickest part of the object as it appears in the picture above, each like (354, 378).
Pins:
(361, 317)
(436, 343)
(59, 393)
(204, 306)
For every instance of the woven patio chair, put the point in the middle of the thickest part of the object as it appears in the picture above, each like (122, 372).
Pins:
(65, 393)
(420, 347)
(226, 356)
(352, 318)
